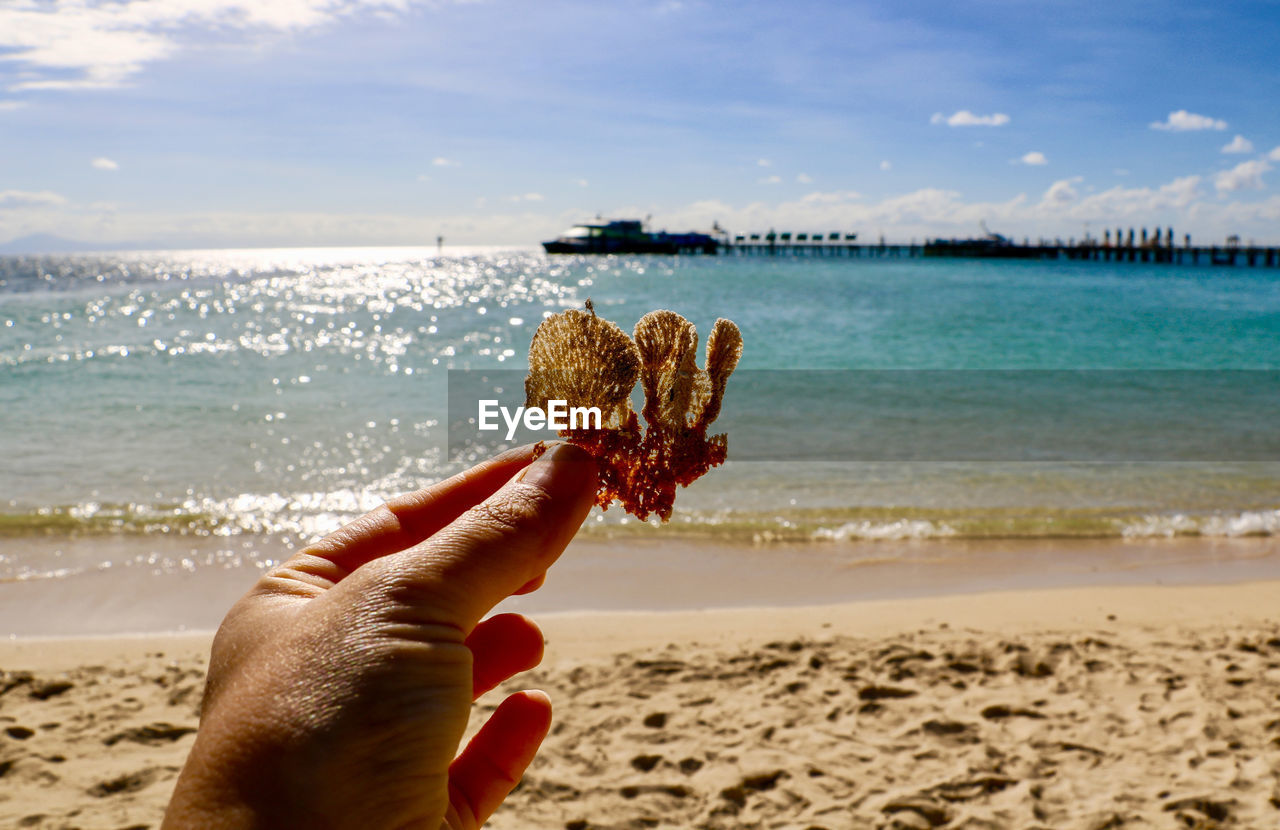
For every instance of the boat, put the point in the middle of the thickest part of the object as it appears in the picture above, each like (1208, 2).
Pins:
(628, 236)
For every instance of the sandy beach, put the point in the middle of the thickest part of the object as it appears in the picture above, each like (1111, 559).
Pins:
(1096, 707)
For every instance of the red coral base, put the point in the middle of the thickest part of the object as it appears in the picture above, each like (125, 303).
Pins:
(642, 473)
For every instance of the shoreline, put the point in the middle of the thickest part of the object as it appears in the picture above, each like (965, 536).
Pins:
(647, 575)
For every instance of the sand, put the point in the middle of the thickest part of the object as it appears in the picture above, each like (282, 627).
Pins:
(1099, 707)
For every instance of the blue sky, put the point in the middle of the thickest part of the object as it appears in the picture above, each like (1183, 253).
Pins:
(349, 122)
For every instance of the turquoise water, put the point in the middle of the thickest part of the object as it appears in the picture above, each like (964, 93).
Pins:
(284, 392)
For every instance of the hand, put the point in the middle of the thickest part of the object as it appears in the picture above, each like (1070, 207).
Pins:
(340, 685)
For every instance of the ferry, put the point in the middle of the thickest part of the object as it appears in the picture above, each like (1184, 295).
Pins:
(628, 236)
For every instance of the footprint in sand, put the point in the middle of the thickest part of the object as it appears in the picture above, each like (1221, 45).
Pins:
(690, 765)
(1000, 711)
(646, 763)
(737, 795)
(153, 734)
(129, 782)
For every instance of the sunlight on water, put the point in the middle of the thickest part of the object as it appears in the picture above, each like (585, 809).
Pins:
(228, 394)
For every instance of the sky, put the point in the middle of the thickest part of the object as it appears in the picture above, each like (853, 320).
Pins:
(252, 123)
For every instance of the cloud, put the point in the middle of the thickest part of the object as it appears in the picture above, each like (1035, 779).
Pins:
(763, 163)
(441, 161)
(1274, 155)
(937, 212)
(581, 182)
(103, 163)
(30, 199)
(886, 166)
(1239, 144)
(964, 118)
(1035, 158)
(11, 105)
(804, 178)
(920, 214)
(830, 197)
(1137, 202)
(526, 197)
(1247, 175)
(1061, 191)
(1182, 121)
(73, 44)
(770, 180)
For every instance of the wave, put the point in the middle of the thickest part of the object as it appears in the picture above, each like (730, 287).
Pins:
(888, 524)
(299, 518)
(1246, 523)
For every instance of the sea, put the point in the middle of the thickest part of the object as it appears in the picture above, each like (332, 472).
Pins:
(248, 401)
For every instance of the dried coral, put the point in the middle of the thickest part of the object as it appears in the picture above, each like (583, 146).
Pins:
(587, 361)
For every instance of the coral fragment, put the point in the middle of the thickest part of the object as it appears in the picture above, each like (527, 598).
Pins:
(584, 360)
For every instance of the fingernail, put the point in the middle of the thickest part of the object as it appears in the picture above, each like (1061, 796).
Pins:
(558, 467)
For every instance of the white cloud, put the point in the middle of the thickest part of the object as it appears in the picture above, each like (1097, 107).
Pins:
(763, 163)
(441, 161)
(1121, 171)
(1183, 121)
(103, 163)
(886, 166)
(1035, 158)
(581, 182)
(770, 180)
(964, 118)
(73, 44)
(526, 197)
(1274, 155)
(1239, 144)
(1247, 175)
(926, 213)
(11, 105)
(937, 212)
(1061, 191)
(31, 199)
(1128, 203)
(423, 177)
(804, 178)
(830, 197)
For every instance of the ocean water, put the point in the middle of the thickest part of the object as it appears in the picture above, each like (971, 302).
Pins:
(279, 393)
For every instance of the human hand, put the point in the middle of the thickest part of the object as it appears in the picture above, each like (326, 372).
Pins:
(340, 685)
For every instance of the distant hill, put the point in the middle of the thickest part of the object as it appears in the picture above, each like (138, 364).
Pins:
(47, 243)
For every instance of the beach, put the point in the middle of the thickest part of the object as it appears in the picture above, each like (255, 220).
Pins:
(997, 543)
(1105, 706)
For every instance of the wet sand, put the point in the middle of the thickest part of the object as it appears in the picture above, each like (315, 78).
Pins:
(1104, 706)
(166, 584)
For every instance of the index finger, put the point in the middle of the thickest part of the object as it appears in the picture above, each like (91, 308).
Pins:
(459, 573)
(409, 519)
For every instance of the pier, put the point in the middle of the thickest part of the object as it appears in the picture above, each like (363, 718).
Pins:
(815, 245)
(1159, 247)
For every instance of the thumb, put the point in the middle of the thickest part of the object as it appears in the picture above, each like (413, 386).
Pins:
(499, 545)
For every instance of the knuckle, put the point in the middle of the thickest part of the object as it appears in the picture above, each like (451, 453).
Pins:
(509, 513)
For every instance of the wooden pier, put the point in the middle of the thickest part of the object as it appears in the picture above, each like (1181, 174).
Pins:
(1122, 248)
(816, 245)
